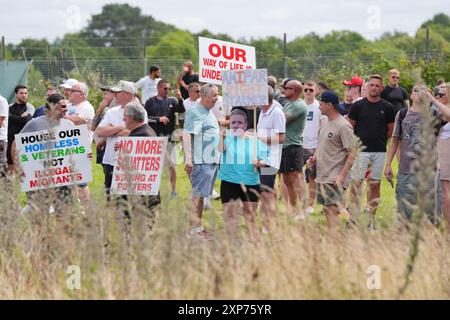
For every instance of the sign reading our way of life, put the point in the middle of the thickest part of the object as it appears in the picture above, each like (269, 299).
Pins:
(216, 56)
(139, 165)
(244, 87)
(54, 158)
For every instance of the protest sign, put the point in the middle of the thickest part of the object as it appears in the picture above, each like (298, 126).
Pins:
(54, 158)
(217, 55)
(139, 165)
(244, 87)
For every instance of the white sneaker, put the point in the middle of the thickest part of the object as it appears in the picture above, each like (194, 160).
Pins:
(309, 210)
(206, 204)
(214, 195)
(26, 210)
(51, 210)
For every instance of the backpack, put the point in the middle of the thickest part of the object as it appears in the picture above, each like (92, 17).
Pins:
(437, 126)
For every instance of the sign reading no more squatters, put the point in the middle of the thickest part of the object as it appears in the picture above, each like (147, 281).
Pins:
(217, 55)
(244, 88)
(139, 165)
(54, 158)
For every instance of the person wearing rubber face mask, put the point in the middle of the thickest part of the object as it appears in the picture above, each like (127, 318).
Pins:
(242, 153)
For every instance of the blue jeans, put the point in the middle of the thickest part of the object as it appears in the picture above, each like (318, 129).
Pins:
(407, 194)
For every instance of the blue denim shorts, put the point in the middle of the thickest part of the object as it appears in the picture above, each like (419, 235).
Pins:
(203, 177)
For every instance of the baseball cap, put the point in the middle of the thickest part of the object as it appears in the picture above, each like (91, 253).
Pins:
(107, 88)
(354, 81)
(126, 86)
(330, 97)
(68, 83)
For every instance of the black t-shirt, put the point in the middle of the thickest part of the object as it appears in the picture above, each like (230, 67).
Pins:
(16, 122)
(371, 123)
(344, 108)
(396, 96)
(166, 107)
(187, 80)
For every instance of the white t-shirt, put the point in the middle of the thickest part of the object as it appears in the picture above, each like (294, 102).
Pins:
(445, 132)
(113, 117)
(188, 103)
(312, 125)
(271, 123)
(277, 104)
(84, 110)
(148, 88)
(4, 112)
(220, 111)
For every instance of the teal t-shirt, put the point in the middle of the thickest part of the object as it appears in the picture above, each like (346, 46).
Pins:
(236, 165)
(203, 125)
(294, 127)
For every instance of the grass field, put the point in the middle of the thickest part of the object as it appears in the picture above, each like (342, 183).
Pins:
(40, 256)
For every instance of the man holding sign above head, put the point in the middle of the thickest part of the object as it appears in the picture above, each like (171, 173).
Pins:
(186, 77)
(291, 166)
(200, 139)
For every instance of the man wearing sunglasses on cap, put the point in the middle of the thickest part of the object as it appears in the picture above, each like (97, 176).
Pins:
(394, 93)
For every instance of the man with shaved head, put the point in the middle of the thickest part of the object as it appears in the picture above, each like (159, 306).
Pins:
(291, 166)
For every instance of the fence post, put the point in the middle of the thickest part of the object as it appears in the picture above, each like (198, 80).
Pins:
(144, 48)
(3, 49)
(285, 66)
(427, 46)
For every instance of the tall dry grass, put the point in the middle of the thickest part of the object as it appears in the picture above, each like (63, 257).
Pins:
(299, 260)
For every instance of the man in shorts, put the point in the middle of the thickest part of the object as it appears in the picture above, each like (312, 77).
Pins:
(200, 139)
(334, 157)
(373, 121)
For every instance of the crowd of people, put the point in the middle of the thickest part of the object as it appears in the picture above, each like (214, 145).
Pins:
(305, 136)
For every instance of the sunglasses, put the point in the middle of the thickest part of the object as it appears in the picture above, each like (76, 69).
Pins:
(440, 95)
(309, 90)
(166, 88)
(395, 77)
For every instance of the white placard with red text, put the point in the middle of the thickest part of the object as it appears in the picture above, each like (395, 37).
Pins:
(139, 165)
(217, 55)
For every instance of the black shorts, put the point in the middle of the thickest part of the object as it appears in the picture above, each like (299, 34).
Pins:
(291, 159)
(267, 175)
(232, 191)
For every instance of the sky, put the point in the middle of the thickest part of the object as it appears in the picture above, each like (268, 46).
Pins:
(239, 18)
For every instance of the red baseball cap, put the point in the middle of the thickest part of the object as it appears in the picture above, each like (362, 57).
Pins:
(355, 81)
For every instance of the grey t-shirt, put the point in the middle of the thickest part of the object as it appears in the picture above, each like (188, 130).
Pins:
(410, 140)
(44, 123)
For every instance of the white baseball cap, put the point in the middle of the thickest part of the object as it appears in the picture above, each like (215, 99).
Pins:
(126, 86)
(68, 83)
